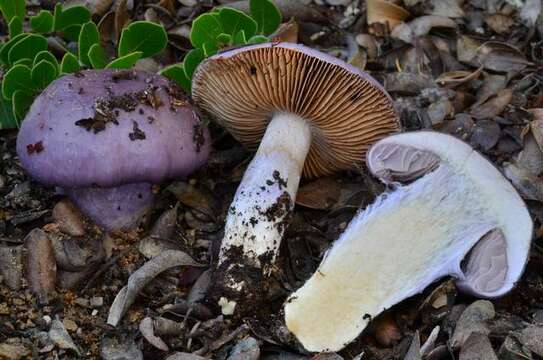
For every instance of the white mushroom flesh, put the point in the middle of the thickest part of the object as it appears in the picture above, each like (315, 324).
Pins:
(463, 209)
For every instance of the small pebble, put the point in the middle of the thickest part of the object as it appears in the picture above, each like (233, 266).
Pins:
(82, 302)
(47, 319)
(94, 312)
(97, 302)
(70, 325)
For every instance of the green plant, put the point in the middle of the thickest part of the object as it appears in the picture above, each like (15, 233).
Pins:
(29, 66)
(222, 28)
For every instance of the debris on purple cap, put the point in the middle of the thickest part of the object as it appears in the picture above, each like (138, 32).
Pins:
(104, 136)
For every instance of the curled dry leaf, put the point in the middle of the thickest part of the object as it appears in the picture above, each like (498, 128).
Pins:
(421, 26)
(41, 266)
(139, 279)
(492, 85)
(197, 198)
(494, 106)
(430, 342)
(75, 254)
(455, 78)
(164, 227)
(381, 11)
(531, 156)
(122, 17)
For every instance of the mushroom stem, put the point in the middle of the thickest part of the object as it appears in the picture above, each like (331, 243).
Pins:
(259, 213)
(115, 208)
(394, 249)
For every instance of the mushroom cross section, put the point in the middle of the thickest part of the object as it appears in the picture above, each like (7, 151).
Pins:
(458, 217)
(309, 111)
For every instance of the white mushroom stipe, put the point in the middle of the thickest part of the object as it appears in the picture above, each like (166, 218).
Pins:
(257, 216)
(462, 218)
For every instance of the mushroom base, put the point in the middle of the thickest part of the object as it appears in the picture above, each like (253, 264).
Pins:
(118, 208)
(242, 289)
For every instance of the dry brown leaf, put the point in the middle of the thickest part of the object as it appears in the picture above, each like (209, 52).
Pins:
(501, 57)
(122, 17)
(421, 26)
(491, 86)
(168, 5)
(367, 41)
(494, 106)
(447, 8)
(359, 59)
(98, 7)
(287, 32)
(198, 198)
(106, 28)
(146, 328)
(384, 12)
(499, 23)
(455, 78)
(41, 266)
(320, 194)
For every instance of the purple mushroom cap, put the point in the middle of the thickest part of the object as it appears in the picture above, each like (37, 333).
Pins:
(101, 129)
(109, 127)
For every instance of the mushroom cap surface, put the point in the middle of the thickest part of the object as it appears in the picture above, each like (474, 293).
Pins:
(347, 109)
(105, 128)
(510, 213)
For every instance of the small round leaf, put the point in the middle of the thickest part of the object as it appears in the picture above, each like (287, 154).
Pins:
(43, 22)
(18, 77)
(144, 36)
(27, 48)
(43, 74)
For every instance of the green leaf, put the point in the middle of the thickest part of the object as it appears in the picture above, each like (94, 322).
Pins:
(46, 55)
(73, 15)
(98, 57)
(224, 39)
(72, 32)
(191, 61)
(18, 77)
(69, 64)
(144, 36)
(176, 72)
(25, 62)
(27, 48)
(258, 39)
(205, 29)
(4, 52)
(88, 36)
(266, 14)
(43, 74)
(239, 38)
(234, 20)
(15, 27)
(43, 22)
(21, 102)
(210, 48)
(12, 8)
(7, 118)
(125, 62)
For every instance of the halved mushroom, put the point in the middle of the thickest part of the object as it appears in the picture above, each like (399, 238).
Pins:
(460, 218)
(313, 112)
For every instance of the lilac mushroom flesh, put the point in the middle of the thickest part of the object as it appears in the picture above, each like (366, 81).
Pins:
(458, 217)
(105, 136)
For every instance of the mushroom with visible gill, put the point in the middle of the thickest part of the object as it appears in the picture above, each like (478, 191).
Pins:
(459, 216)
(105, 136)
(310, 112)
